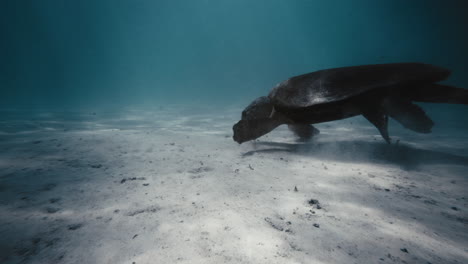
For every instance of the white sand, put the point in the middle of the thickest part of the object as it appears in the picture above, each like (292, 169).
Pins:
(171, 186)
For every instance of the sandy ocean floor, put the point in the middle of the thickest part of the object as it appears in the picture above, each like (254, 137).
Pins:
(171, 186)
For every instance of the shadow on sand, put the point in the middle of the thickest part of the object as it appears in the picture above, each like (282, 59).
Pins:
(409, 157)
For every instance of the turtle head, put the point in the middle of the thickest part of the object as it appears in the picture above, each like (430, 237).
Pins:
(256, 121)
(259, 108)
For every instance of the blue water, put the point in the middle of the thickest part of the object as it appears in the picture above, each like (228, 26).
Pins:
(115, 53)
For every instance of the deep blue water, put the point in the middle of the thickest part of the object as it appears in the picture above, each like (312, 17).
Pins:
(87, 53)
(112, 53)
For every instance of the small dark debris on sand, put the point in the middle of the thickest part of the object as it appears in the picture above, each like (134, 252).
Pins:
(133, 179)
(463, 220)
(134, 236)
(54, 200)
(315, 202)
(49, 186)
(294, 247)
(295, 189)
(145, 184)
(51, 242)
(152, 209)
(430, 201)
(404, 250)
(29, 248)
(454, 208)
(200, 170)
(274, 225)
(317, 225)
(52, 210)
(74, 226)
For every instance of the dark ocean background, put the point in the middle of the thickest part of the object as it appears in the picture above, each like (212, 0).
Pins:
(91, 54)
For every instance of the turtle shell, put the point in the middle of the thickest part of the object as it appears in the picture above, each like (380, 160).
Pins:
(331, 85)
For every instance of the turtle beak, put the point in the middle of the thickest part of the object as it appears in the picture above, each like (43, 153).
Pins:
(240, 132)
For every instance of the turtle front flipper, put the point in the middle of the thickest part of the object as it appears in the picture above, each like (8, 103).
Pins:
(304, 131)
(380, 120)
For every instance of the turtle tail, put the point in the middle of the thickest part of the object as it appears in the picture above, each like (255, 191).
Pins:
(439, 93)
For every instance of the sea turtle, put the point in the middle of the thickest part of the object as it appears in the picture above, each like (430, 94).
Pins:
(374, 91)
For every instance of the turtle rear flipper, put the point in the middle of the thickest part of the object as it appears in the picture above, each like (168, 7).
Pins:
(304, 131)
(439, 93)
(408, 114)
(379, 119)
